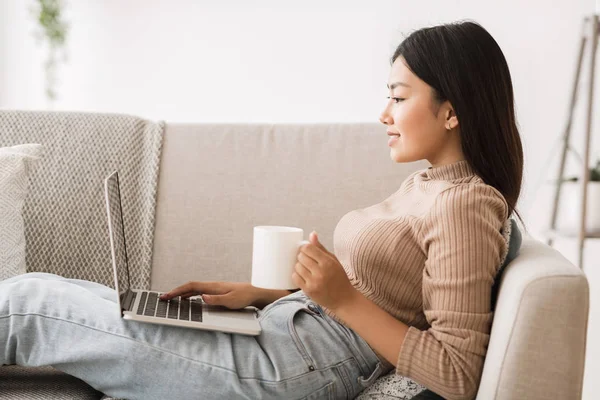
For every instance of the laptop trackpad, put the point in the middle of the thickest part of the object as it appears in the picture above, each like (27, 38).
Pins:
(212, 312)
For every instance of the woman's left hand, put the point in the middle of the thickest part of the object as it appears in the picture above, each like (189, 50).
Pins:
(321, 276)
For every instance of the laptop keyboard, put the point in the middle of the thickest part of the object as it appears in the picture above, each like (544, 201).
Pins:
(176, 308)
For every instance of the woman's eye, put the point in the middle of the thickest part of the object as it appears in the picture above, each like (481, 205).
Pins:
(396, 99)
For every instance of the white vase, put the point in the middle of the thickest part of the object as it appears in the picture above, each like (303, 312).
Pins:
(569, 209)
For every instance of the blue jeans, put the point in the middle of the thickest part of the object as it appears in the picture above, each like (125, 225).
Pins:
(74, 326)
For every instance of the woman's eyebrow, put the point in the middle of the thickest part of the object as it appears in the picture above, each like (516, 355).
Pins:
(396, 84)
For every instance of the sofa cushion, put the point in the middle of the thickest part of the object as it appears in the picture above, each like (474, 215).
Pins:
(47, 383)
(14, 186)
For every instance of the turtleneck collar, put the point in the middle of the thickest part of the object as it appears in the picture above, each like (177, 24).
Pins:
(456, 170)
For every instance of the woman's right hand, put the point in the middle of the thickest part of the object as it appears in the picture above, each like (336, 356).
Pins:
(233, 295)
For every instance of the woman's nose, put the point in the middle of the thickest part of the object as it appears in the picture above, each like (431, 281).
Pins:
(385, 118)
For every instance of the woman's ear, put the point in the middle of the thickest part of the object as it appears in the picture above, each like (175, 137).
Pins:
(451, 119)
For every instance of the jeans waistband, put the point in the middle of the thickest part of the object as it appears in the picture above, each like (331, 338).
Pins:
(365, 355)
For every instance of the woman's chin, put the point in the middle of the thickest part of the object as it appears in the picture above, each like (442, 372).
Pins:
(398, 157)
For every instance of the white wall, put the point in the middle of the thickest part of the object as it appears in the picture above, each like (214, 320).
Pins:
(4, 32)
(309, 61)
(273, 61)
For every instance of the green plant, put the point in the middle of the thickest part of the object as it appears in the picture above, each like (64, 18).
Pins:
(594, 174)
(53, 30)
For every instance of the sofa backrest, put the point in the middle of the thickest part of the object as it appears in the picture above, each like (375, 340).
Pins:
(218, 181)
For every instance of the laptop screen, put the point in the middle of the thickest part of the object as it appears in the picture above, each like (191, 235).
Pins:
(117, 232)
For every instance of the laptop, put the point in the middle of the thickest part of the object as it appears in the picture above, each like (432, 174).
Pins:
(145, 305)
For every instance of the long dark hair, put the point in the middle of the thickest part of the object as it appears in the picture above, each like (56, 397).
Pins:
(463, 63)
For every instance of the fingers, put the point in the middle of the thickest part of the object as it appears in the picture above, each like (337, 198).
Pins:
(169, 296)
(301, 273)
(318, 244)
(217, 300)
(310, 255)
(298, 280)
(178, 291)
(302, 270)
(193, 288)
(307, 262)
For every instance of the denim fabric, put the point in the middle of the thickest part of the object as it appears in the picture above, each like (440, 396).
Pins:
(74, 326)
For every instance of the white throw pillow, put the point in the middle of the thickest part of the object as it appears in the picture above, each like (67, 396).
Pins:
(391, 387)
(15, 165)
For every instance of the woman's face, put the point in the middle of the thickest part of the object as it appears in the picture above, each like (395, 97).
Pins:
(422, 124)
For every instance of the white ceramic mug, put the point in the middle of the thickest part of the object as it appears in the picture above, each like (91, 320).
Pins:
(274, 256)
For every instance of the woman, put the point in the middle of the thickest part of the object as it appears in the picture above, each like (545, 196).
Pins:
(409, 285)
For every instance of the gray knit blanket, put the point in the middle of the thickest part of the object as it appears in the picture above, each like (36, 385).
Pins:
(66, 229)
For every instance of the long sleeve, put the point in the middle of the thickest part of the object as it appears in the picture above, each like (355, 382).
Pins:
(461, 237)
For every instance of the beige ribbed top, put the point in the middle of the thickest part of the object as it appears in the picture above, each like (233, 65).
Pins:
(428, 255)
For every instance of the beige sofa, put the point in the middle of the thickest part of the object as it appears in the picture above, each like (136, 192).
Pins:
(217, 181)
